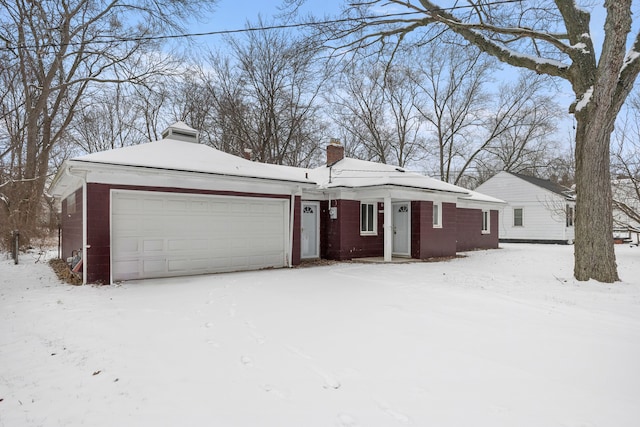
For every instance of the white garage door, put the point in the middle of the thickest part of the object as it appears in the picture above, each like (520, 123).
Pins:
(166, 234)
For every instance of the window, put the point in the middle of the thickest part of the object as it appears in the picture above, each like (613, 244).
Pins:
(570, 215)
(368, 219)
(518, 217)
(71, 204)
(486, 222)
(437, 215)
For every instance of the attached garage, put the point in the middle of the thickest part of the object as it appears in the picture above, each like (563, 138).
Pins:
(175, 207)
(156, 234)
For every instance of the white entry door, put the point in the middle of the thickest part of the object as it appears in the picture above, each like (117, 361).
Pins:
(310, 236)
(401, 229)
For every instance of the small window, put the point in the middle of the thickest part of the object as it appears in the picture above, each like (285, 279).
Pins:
(71, 204)
(368, 219)
(518, 217)
(570, 215)
(486, 222)
(437, 215)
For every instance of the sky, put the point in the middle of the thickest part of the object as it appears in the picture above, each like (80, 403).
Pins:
(233, 14)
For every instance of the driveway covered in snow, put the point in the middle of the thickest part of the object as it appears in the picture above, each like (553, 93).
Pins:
(498, 338)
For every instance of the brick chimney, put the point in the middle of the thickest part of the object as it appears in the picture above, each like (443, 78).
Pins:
(246, 153)
(335, 151)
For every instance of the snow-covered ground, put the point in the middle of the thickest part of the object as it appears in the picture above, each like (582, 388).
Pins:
(499, 338)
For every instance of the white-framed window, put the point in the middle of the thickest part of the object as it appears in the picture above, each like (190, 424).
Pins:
(71, 203)
(368, 219)
(486, 222)
(570, 211)
(518, 217)
(437, 215)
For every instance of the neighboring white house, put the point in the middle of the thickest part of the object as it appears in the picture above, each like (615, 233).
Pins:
(537, 210)
(626, 209)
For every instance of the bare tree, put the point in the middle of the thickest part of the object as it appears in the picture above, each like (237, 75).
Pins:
(552, 38)
(626, 166)
(452, 80)
(54, 52)
(376, 107)
(524, 144)
(266, 97)
(110, 119)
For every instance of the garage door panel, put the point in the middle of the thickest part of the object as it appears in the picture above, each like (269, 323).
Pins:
(127, 244)
(126, 204)
(154, 245)
(177, 206)
(129, 225)
(165, 234)
(152, 205)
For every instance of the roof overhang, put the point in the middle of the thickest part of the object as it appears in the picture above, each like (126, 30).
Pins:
(379, 192)
(75, 171)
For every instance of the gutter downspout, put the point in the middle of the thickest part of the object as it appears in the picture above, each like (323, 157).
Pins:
(292, 202)
(83, 178)
(388, 229)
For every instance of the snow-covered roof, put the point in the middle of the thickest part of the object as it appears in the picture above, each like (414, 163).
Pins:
(547, 184)
(480, 197)
(354, 173)
(174, 155)
(182, 126)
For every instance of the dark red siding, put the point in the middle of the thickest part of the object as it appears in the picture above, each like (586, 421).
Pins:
(470, 235)
(340, 238)
(98, 230)
(98, 224)
(71, 226)
(427, 241)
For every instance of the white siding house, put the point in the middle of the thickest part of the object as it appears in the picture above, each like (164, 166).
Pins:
(537, 210)
(626, 208)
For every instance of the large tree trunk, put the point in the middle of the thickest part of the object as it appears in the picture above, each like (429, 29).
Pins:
(594, 251)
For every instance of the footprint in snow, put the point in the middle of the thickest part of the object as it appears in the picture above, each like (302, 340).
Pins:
(246, 361)
(250, 324)
(254, 333)
(499, 410)
(273, 391)
(398, 416)
(208, 325)
(330, 382)
(232, 310)
(346, 420)
(298, 352)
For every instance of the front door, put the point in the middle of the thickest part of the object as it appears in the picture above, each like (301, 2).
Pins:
(401, 229)
(310, 245)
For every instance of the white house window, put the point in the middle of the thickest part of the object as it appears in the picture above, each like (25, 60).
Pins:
(368, 219)
(486, 222)
(437, 215)
(71, 204)
(518, 217)
(570, 215)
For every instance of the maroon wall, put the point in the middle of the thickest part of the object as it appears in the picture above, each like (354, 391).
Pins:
(470, 235)
(71, 226)
(98, 224)
(340, 238)
(98, 233)
(427, 241)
